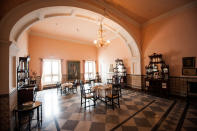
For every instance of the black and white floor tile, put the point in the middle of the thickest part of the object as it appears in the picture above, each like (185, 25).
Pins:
(138, 111)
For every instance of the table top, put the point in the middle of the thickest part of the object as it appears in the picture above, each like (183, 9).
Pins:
(67, 84)
(103, 87)
(28, 106)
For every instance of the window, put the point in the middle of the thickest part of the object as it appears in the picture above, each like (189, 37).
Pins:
(51, 71)
(90, 70)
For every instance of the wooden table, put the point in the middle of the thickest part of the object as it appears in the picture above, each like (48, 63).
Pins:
(20, 110)
(102, 90)
(66, 86)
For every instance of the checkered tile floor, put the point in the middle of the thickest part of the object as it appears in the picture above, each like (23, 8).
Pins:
(173, 117)
(138, 111)
(190, 122)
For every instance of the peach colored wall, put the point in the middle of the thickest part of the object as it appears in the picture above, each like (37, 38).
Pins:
(175, 37)
(108, 55)
(42, 47)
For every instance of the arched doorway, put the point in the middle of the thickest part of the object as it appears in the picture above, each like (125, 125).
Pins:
(12, 29)
(23, 17)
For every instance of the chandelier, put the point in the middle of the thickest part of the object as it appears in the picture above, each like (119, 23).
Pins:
(100, 42)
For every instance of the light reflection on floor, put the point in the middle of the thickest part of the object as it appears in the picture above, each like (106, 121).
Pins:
(50, 103)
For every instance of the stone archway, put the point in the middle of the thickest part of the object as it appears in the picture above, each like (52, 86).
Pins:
(21, 18)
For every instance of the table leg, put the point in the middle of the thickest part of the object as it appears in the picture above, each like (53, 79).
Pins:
(16, 123)
(38, 116)
(19, 121)
(29, 121)
(61, 90)
(41, 114)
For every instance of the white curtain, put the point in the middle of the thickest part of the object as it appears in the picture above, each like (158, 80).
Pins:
(90, 70)
(51, 71)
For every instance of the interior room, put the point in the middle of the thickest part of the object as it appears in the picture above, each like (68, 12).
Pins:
(98, 65)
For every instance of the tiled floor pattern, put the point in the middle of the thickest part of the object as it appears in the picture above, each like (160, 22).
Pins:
(190, 121)
(72, 117)
(66, 114)
(147, 118)
(173, 118)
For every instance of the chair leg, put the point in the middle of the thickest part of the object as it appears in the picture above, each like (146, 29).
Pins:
(118, 102)
(112, 103)
(81, 101)
(85, 102)
(106, 103)
(94, 102)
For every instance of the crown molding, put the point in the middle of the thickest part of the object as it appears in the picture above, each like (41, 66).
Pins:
(170, 13)
(34, 33)
(108, 8)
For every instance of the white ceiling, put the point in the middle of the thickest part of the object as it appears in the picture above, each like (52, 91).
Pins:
(70, 28)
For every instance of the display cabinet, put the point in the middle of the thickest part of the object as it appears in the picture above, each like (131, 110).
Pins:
(26, 91)
(120, 74)
(157, 74)
(23, 72)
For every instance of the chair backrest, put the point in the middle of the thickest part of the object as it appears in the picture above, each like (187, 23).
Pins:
(115, 79)
(116, 89)
(75, 82)
(58, 84)
(82, 89)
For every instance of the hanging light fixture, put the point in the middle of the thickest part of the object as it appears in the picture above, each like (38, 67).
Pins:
(101, 42)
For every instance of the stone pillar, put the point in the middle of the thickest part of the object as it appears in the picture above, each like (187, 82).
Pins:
(4, 86)
(8, 94)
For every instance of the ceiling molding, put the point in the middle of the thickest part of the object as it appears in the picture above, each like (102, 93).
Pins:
(57, 14)
(109, 27)
(34, 33)
(85, 17)
(170, 13)
(109, 8)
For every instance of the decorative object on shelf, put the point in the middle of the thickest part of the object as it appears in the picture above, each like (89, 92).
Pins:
(157, 69)
(120, 72)
(157, 75)
(23, 71)
(101, 42)
(73, 70)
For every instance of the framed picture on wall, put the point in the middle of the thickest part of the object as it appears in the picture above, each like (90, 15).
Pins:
(189, 71)
(73, 69)
(189, 62)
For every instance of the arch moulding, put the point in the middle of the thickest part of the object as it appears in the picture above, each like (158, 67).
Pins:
(24, 16)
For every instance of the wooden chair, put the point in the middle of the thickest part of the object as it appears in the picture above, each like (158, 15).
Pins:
(115, 95)
(75, 84)
(58, 85)
(87, 94)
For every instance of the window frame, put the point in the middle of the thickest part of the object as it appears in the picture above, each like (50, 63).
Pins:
(51, 75)
(90, 74)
